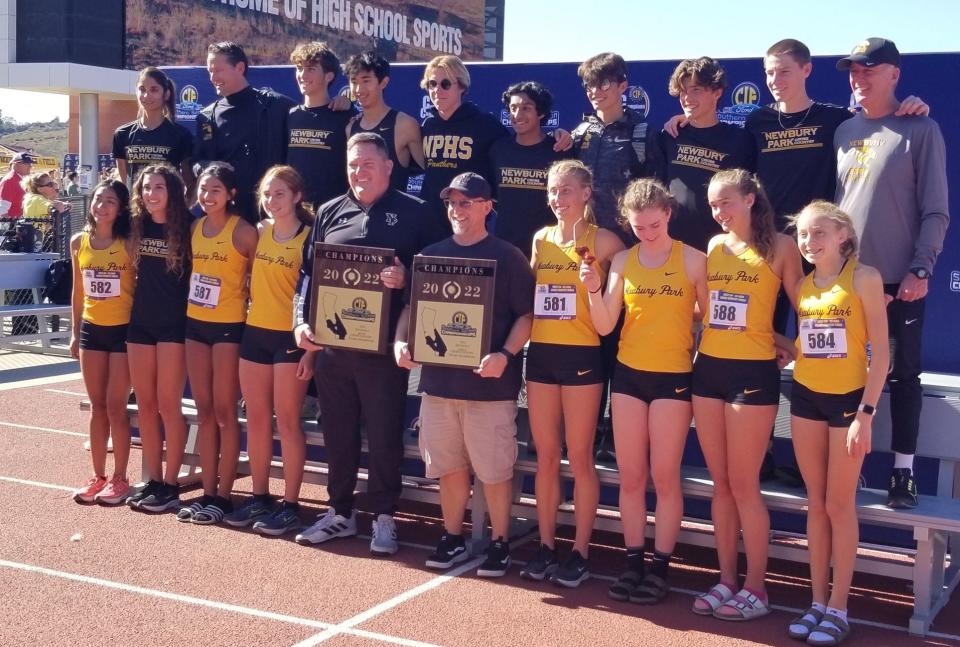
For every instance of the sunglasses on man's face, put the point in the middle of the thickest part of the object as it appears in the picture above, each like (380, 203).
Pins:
(445, 84)
(602, 86)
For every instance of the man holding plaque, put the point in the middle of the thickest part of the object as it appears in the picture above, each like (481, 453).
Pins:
(468, 414)
(351, 383)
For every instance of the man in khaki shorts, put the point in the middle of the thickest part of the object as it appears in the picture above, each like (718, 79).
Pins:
(468, 417)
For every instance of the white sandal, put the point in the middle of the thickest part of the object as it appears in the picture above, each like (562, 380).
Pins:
(714, 599)
(746, 606)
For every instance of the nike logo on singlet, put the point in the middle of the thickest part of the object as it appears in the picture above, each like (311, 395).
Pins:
(220, 242)
(669, 273)
(113, 252)
(750, 391)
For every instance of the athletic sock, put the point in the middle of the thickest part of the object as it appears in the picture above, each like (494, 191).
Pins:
(762, 596)
(821, 636)
(902, 461)
(262, 498)
(635, 559)
(660, 564)
(800, 629)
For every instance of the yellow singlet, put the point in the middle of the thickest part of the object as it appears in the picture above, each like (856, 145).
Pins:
(108, 279)
(743, 293)
(657, 329)
(832, 337)
(218, 290)
(276, 269)
(561, 312)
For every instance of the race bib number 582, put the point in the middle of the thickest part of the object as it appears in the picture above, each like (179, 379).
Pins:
(101, 284)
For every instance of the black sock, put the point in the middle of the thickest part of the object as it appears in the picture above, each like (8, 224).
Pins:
(293, 505)
(262, 498)
(660, 564)
(635, 559)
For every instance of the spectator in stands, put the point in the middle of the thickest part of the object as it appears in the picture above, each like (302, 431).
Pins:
(73, 184)
(369, 74)
(468, 417)
(316, 131)
(245, 127)
(352, 384)
(842, 312)
(11, 189)
(103, 282)
(40, 197)
(892, 180)
(154, 137)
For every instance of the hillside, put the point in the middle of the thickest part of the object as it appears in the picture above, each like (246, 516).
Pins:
(45, 139)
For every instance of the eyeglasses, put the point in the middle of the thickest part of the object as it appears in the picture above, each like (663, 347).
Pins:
(602, 86)
(445, 84)
(463, 204)
(44, 186)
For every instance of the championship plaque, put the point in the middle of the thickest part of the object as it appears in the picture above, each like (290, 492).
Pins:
(451, 310)
(351, 305)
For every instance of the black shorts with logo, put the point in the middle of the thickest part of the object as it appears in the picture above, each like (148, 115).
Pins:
(210, 333)
(737, 381)
(650, 385)
(565, 364)
(265, 346)
(153, 334)
(106, 339)
(836, 409)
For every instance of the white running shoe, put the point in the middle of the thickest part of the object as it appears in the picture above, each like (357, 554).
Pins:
(383, 536)
(329, 526)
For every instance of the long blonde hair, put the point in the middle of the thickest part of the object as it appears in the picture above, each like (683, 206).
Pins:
(833, 213)
(578, 170)
(644, 193)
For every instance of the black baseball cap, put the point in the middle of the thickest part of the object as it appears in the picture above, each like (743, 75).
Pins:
(23, 158)
(870, 52)
(470, 185)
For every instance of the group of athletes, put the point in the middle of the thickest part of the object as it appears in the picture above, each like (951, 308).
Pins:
(674, 249)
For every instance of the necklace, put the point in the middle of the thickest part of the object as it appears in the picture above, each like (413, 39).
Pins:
(802, 119)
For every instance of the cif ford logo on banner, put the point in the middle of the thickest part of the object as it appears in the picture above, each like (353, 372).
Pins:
(746, 99)
(188, 107)
(553, 121)
(955, 281)
(636, 98)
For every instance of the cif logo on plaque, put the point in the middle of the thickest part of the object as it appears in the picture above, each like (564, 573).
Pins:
(451, 302)
(350, 306)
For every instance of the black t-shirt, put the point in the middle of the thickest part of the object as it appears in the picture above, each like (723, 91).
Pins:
(513, 298)
(520, 175)
(387, 128)
(141, 147)
(691, 160)
(317, 148)
(160, 298)
(795, 158)
(396, 221)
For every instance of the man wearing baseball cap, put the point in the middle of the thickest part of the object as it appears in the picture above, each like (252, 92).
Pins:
(892, 180)
(468, 417)
(11, 193)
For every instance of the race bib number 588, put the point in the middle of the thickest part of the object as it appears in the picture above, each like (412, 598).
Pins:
(728, 310)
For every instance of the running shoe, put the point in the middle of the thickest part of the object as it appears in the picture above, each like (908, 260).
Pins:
(116, 491)
(255, 509)
(165, 497)
(330, 526)
(541, 566)
(283, 520)
(902, 493)
(497, 561)
(383, 536)
(451, 549)
(90, 489)
(136, 498)
(574, 570)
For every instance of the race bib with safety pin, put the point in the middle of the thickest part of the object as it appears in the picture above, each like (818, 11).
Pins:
(728, 310)
(554, 301)
(101, 284)
(823, 338)
(204, 290)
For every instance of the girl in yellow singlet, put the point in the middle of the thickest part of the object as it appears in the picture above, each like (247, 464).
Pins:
(103, 280)
(223, 245)
(274, 373)
(660, 282)
(841, 309)
(565, 373)
(736, 381)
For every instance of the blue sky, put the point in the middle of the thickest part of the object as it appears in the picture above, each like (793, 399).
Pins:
(563, 30)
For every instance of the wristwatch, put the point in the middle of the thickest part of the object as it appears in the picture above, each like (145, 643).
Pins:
(506, 353)
(920, 273)
(867, 409)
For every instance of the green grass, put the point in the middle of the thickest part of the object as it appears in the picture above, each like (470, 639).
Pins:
(45, 139)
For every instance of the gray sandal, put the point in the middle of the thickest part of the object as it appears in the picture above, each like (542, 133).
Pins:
(837, 631)
(805, 622)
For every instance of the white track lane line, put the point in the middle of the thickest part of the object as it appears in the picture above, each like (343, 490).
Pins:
(40, 381)
(47, 429)
(210, 604)
(48, 486)
(62, 392)
(347, 625)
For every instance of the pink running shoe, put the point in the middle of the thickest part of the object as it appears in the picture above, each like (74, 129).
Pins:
(116, 491)
(90, 489)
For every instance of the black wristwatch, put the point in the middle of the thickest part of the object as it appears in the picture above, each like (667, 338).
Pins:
(920, 273)
(507, 354)
(867, 409)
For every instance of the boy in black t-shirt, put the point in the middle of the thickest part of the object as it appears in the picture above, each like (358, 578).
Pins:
(520, 166)
(701, 149)
(317, 130)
